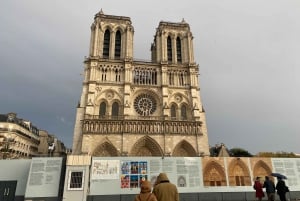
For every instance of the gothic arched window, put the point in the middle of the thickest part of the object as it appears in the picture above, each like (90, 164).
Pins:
(169, 48)
(173, 112)
(183, 113)
(118, 45)
(106, 43)
(102, 110)
(115, 109)
(178, 49)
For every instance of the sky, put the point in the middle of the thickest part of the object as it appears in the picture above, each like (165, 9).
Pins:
(248, 52)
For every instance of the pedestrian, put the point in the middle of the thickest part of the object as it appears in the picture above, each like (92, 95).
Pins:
(281, 189)
(165, 190)
(259, 194)
(145, 194)
(270, 188)
(156, 181)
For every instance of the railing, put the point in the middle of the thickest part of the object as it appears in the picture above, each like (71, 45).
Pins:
(124, 117)
(148, 125)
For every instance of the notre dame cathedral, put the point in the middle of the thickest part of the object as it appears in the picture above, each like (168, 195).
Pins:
(132, 107)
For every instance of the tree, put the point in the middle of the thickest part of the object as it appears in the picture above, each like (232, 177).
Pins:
(281, 154)
(239, 152)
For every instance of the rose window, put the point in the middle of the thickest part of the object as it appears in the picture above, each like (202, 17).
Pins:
(145, 104)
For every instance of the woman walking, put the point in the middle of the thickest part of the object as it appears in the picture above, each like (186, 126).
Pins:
(259, 194)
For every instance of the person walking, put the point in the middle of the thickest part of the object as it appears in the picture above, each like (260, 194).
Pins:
(270, 188)
(259, 194)
(281, 189)
(145, 194)
(165, 190)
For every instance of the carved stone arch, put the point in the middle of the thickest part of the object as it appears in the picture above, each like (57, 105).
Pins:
(175, 104)
(239, 174)
(184, 149)
(118, 101)
(179, 98)
(149, 91)
(188, 106)
(261, 169)
(101, 100)
(146, 146)
(172, 34)
(214, 174)
(107, 27)
(180, 35)
(106, 148)
(119, 28)
(105, 95)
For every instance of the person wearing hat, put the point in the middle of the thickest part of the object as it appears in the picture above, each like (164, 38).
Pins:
(165, 190)
(145, 194)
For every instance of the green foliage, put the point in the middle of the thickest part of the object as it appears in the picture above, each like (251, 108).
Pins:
(239, 152)
(280, 154)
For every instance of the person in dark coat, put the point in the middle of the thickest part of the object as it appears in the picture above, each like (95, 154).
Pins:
(164, 190)
(270, 188)
(281, 189)
(258, 189)
(145, 194)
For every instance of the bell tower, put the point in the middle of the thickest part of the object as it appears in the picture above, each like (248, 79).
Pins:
(111, 37)
(134, 107)
(173, 43)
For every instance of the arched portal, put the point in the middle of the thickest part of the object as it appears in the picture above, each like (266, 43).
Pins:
(184, 149)
(105, 149)
(239, 173)
(146, 146)
(261, 169)
(214, 175)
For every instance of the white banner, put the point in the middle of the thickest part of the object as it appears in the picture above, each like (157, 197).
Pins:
(105, 169)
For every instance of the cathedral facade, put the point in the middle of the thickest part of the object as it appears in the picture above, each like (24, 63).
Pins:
(131, 107)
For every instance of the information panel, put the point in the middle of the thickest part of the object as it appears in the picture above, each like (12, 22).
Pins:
(44, 177)
(290, 167)
(123, 175)
(120, 175)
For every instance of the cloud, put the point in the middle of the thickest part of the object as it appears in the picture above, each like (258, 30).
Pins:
(248, 52)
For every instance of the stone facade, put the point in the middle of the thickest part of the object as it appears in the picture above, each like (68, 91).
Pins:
(19, 138)
(131, 107)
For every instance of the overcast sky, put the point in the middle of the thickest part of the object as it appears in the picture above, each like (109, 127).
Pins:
(248, 52)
